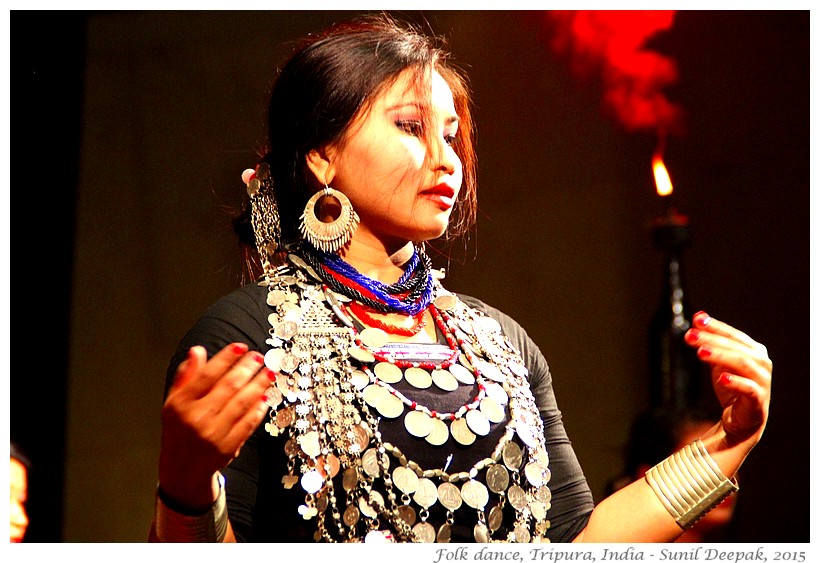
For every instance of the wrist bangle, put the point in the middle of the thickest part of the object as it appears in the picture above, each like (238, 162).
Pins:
(176, 525)
(690, 483)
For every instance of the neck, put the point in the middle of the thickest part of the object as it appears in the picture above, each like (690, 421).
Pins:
(376, 260)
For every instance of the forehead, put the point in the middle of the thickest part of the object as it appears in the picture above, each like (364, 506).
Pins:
(423, 91)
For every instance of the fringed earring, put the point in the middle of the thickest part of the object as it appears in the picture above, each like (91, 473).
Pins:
(264, 217)
(328, 236)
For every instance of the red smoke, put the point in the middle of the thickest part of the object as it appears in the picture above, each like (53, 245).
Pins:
(633, 77)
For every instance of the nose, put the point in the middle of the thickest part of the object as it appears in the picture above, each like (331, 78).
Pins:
(445, 158)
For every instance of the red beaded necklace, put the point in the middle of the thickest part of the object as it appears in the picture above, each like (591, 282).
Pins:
(363, 313)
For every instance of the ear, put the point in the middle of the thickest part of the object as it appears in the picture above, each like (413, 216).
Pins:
(318, 160)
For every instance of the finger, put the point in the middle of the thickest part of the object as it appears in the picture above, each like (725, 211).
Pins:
(189, 367)
(701, 320)
(247, 175)
(243, 413)
(207, 372)
(738, 363)
(749, 405)
(229, 379)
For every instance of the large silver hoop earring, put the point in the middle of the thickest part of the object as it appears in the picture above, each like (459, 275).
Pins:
(328, 235)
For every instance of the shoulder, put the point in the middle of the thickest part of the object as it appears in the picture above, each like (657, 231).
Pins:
(510, 326)
(518, 337)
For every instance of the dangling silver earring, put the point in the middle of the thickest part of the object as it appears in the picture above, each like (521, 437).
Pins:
(329, 236)
(264, 216)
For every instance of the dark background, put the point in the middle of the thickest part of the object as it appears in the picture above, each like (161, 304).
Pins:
(130, 132)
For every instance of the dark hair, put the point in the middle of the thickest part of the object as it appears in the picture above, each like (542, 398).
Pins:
(331, 79)
(17, 453)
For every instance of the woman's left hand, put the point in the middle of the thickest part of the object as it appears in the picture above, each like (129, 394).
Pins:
(741, 376)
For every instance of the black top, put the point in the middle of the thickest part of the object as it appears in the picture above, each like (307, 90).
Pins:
(262, 510)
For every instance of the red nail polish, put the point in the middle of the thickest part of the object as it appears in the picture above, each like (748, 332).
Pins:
(704, 352)
(692, 335)
(701, 318)
(271, 375)
(724, 378)
(257, 357)
(239, 349)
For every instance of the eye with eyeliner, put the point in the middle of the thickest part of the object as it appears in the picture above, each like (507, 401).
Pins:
(412, 126)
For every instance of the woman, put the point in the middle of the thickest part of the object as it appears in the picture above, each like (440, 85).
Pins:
(347, 395)
(18, 482)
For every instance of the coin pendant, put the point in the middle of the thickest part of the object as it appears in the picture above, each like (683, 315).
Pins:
(312, 482)
(526, 434)
(497, 392)
(309, 442)
(449, 496)
(512, 456)
(418, 424)
(373, 394)
(491, 409)
(361, 355)
(350, 478)
(534, 474)
(444, 533)
(359, 379)
(495, 518)
(286, 330)
(373, 338)
(351, 515)
(370, 463)
(425, 532)
(461, 432)
(481, 534)
(418, 378)
(390, 406)
(276, 297)
(407, 514)
(387, 372)
(462, 374)
(445, 301)
(490, 371)
(477, 422)
(517, 497)
(439, 434)
(498, 479)
(273, 359)
(289, 363)
(445, 380)
(426, 493)
(405, 479)
(273, 396)
(475, 494)
(522, 534)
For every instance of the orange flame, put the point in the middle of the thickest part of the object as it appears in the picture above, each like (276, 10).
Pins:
(662, 181)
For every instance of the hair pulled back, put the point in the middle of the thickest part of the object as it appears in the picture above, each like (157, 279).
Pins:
(326, 83)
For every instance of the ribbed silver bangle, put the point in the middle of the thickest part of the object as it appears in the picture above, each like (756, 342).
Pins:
(690, 483)
(175, 527)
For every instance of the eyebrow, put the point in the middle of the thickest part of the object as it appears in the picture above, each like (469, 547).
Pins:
(449, 121)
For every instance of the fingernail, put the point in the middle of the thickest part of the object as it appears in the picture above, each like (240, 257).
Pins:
(724, 378)
(702, 318)
(704, 352)
(271, 375)
(239, 349)
(257, 357)
(692, 335)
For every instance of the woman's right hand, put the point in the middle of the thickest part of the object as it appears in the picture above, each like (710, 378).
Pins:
(212, 408)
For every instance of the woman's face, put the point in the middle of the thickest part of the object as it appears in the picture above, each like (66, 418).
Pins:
(401, 182)
(18, 519)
